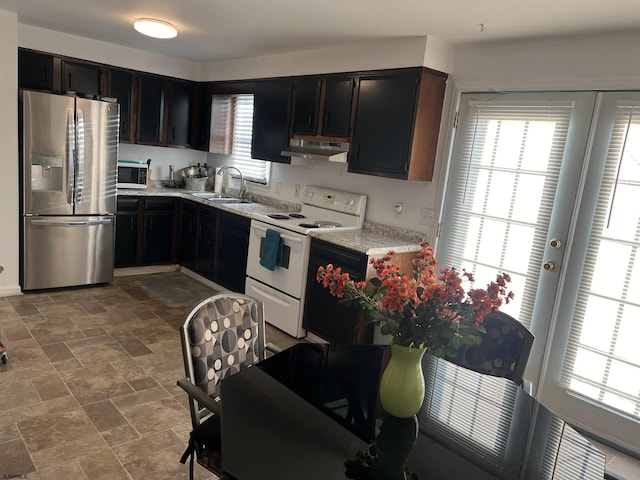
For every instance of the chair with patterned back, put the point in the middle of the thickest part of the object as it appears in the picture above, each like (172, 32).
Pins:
(502, 350)
(221, 335)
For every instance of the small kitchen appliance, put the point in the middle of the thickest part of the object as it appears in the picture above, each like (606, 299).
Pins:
(282, 290)
(132, 174)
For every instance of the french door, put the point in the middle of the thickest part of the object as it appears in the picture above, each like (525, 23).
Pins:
(546, 186)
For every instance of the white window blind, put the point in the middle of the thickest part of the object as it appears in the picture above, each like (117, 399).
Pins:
(602, 362)
(502, 199)
(253, 170)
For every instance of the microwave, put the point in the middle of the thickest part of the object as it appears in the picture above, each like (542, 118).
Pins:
(132, 174)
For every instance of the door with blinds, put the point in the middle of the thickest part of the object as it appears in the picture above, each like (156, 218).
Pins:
(534, 189)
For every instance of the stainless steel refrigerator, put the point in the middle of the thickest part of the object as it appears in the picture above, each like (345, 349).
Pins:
(69, 150)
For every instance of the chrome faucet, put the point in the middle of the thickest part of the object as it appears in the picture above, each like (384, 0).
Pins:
(243, 186)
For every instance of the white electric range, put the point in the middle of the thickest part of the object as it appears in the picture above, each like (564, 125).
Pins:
(282, 290)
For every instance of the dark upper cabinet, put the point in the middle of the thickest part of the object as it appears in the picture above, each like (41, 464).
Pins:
(82, 78)
(307, 106)
(120, 86)
(35, 70)
(150, 109)
(322, 106)
(233, 249)
(396, 125)
(180, 95)
(271, 112)
(200, 128)
(336, 116)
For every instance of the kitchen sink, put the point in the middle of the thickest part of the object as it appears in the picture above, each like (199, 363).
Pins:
(218, 197)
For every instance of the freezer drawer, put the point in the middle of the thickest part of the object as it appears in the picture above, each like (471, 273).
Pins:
(67, 251)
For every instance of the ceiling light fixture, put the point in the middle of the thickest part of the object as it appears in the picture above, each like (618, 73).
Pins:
(155, 28)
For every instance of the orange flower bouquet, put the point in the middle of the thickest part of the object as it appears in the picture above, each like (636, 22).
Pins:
(422, 310)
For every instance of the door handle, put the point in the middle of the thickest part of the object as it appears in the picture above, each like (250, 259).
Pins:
(266, 294)
(284, 237)
(91, 223)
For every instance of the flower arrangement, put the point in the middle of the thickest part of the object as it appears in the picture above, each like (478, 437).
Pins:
(422, 310)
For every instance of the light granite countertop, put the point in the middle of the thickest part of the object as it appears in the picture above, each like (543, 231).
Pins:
(373, 239)
(243, 209)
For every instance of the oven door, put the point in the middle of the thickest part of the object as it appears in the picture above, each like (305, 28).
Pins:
(290, 277)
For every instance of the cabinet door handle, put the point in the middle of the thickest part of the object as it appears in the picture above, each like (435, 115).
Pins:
(69, 87)
(173, 133)
(131, 224)
(327, 120)
(44, 70)
(309, 119)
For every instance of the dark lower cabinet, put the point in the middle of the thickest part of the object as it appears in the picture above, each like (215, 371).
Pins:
(323, 314)
(188, 226)
(214, 244)
(205, 242)
(146, 231)
(233, 248)
(126, 247)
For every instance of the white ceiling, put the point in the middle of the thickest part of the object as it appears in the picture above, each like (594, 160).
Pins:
(212, 30)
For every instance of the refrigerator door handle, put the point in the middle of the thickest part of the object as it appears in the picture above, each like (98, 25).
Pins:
(51, 223)
(80, 155)
(71, 154)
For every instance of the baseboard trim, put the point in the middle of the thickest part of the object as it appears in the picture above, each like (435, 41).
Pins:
(203, 280)
(124, 272)
(10, 291)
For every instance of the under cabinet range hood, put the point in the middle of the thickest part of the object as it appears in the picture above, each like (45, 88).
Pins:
(316, 150)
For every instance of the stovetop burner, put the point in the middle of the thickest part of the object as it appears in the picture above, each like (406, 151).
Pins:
(321, 209)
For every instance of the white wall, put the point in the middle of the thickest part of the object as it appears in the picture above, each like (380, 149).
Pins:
(9, 218)
(392, 53)
(101, 52)
(604, 61)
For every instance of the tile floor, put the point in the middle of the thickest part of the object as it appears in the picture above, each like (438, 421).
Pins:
(89, 389)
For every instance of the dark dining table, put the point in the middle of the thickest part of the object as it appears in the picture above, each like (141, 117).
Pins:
(312, 412)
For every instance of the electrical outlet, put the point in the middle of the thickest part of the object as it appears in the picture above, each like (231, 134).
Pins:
(398, 210)
(427, 216)
(297, 192)
(278, 187)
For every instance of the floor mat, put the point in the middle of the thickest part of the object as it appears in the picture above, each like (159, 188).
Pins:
(175, 289)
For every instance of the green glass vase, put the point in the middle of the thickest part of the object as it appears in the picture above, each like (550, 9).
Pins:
(402, 383)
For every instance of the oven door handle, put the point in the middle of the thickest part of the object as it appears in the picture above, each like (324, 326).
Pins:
(266, 294)
(284, 237)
